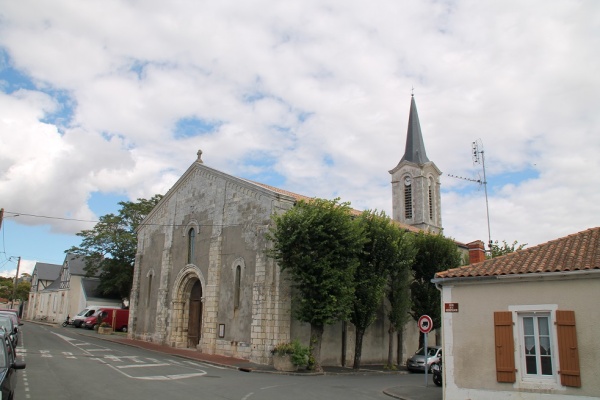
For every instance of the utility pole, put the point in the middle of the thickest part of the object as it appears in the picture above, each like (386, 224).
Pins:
(1, 216)
(15, 284)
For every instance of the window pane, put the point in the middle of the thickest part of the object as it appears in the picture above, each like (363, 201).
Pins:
(546, 365)
(543, 326)
(531, 365)
(528, 325)
(545, 346)
(529, 345)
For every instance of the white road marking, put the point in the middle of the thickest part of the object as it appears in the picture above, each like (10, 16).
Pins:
(142, 365)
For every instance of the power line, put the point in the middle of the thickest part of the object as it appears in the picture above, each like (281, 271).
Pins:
(18, 214)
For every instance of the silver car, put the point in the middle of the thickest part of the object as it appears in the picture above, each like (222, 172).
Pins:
(417, 361)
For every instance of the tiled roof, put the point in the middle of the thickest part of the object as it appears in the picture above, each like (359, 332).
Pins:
(576, 252)
(306, 198)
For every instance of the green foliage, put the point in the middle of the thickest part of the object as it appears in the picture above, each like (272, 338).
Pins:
(299, 355)
(435, 253)
(500, 250)
(7, 286)
(109, 248)
(317, 243)
(383, 254)
(370, 277)
(400, 277)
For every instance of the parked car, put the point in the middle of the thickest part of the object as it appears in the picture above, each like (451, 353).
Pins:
(117, 318)
(7, 325)
(12, 316)
(12, 311)
(8, 367)
(417, 361)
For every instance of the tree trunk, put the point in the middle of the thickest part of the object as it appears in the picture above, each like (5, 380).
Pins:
(400, 353)
(390, 360)
(316, 337)
(358, 348)
(421, 339)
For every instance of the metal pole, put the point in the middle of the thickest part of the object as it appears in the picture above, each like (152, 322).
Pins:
(426, 364)
(487, 208)
(15, 284)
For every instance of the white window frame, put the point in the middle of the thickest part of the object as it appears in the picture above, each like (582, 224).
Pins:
(525, 381)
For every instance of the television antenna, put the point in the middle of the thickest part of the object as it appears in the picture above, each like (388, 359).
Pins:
(478, 155)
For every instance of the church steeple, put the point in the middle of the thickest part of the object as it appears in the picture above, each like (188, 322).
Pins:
(416, 197)
(415, 147)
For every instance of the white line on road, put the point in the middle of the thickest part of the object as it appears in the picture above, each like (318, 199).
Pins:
(141, 366)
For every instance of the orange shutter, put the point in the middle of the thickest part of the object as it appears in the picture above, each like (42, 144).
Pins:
(568, 354)
(505, 346)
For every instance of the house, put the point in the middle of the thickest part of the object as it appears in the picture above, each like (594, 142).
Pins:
(58, 292)
(42, 276)
(202, 279)
(524, 325)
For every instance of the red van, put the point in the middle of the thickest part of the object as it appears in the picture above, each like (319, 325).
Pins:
(117, 318)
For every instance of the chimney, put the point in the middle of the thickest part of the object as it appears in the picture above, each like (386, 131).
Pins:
(476, 251)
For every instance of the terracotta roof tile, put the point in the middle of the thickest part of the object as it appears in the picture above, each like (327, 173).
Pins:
(576, 252)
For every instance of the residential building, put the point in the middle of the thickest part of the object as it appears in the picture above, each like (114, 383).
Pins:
(524, 325)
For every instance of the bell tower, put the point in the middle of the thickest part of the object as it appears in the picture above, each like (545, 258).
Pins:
(416, 197)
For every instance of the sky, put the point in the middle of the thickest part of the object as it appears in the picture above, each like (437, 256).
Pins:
(108, 101)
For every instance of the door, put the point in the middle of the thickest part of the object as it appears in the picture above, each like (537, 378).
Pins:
(195, 316)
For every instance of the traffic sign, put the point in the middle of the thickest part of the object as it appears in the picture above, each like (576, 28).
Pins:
(425, 323)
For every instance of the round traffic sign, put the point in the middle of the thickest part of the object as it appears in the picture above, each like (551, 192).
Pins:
(425, 323)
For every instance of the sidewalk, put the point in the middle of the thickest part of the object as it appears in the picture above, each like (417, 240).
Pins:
(431, 392)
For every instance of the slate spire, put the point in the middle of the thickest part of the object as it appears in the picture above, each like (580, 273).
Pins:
(415, 147)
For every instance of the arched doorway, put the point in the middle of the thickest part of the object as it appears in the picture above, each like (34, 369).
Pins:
(195, 316)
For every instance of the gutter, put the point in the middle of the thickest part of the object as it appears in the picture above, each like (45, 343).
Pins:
(593, 273)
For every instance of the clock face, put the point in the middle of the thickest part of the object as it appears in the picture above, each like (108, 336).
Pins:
(407, 180)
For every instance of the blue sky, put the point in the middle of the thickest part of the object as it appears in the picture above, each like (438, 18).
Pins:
(110, 100)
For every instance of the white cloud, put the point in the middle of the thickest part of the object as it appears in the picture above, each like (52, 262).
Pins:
(317, 91)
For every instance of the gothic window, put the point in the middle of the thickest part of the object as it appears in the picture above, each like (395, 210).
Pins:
(408, 206)
(191, 245)
(237, 287)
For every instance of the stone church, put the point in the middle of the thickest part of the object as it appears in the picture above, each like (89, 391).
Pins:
(202, 279)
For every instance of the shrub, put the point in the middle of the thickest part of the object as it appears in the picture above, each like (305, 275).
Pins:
(298, 353)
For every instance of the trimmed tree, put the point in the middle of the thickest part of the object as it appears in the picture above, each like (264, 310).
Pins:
(109, 248)
(435, 253)
(380, 254)
(398, 294)
(317, 242)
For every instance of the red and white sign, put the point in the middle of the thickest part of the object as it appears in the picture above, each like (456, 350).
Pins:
(425, 323)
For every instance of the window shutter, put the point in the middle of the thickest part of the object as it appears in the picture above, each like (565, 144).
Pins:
(568, 353)
(505, 346)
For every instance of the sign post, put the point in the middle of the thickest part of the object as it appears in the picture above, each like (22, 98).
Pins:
(425, 324)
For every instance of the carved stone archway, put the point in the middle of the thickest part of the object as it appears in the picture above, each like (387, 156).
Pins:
(186, 280)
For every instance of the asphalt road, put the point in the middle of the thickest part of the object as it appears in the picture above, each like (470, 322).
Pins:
(63, 364)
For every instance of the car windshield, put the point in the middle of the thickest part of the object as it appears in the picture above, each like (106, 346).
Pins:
(82, 312)
(430, 351)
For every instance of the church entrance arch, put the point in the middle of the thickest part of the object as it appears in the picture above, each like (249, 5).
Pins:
(187, 303)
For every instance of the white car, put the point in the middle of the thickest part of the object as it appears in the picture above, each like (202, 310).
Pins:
(417, 361)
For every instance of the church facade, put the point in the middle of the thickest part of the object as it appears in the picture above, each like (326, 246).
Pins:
(202, 278)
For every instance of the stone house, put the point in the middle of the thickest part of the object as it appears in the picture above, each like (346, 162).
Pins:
(524, 325)
(202, 278)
